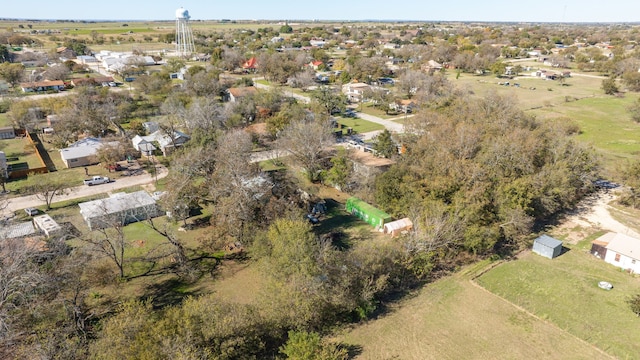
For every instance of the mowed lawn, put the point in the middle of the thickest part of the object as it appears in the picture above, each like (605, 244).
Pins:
(359, 126)
(455, 319)
(565, 292)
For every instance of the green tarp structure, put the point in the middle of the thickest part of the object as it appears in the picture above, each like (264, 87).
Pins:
(366, 212)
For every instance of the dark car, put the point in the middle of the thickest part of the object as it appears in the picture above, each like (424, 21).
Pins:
(349, 114)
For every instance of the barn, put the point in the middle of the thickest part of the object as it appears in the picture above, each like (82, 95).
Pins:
(547, 246)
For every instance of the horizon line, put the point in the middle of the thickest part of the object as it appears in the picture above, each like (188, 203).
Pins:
(328, 20)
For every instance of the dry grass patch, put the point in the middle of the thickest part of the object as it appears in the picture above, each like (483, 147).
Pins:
(455, 319)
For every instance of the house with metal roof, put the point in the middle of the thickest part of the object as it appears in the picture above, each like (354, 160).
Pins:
(119, 209)
(81, 153)
(547, 246)
(620, 250)
(19, 230)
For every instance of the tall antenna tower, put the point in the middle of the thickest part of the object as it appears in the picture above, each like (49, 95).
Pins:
(184, 37)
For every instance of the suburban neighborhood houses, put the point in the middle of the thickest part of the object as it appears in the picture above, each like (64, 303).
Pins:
(271, 189)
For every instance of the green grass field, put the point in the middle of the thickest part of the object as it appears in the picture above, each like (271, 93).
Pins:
(454, 319)
(603, 120)
(359, 126)
(21, 149)
(565, 292)
(604, 123)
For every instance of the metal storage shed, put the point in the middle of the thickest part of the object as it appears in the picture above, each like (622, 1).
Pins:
(547, 246)
(366, 212)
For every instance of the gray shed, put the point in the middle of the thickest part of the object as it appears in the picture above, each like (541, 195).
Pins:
(547, 246)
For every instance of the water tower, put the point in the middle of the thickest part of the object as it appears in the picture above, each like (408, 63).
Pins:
(184, 37)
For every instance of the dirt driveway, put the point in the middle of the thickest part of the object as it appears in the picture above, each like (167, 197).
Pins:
(594, 213)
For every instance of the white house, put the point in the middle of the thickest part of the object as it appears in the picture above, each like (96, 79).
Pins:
(622, 251)
(120, 208)
(143, 145)
(83, 152)
(355, 90)
(167, 143)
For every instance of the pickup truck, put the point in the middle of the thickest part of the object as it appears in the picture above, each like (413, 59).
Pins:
(97, 180)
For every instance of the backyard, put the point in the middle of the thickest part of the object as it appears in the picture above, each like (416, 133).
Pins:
(454, 319)
(564, 291)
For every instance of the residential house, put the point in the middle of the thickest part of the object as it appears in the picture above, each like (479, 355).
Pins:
(82, 153)
(250, 64)
(355, 90)
(235, 94)
(119, 209)
(86, 59)
(7, 132)
(620, 250)
(315, 64)
(151, 126)
(95, 81)
(431, 66)
(46, 85)
(145, 144)
(319, 43)
(403, 106)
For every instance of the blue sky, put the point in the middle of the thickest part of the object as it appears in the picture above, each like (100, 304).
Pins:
(426, 10)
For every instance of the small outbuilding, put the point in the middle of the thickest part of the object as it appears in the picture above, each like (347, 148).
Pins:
(547, 246)
(367, 212)
(47, 224)
(397, 227)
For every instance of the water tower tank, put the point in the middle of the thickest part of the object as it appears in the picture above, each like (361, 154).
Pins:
(182, 13)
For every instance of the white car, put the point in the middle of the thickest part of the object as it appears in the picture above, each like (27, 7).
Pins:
(31, 211)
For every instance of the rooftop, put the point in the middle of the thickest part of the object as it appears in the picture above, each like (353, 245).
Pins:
(625, 245)
(118, 202)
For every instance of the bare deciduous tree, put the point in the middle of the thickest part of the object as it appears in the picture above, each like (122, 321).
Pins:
(47, 187)
(308, 141)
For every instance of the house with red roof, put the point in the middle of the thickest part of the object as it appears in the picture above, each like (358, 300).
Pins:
(250, 64)
(315, 64)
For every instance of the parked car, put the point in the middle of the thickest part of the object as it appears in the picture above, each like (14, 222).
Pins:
(97, 180)
(31, 211)
(349, 113)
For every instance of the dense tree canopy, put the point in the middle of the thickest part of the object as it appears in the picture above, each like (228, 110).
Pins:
(487, 168)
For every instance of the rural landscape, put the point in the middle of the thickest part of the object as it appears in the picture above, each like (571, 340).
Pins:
(319, 190)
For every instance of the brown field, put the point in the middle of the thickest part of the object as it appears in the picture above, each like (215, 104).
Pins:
(455, 319)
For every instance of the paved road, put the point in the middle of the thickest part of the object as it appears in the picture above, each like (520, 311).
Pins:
(22, 202)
